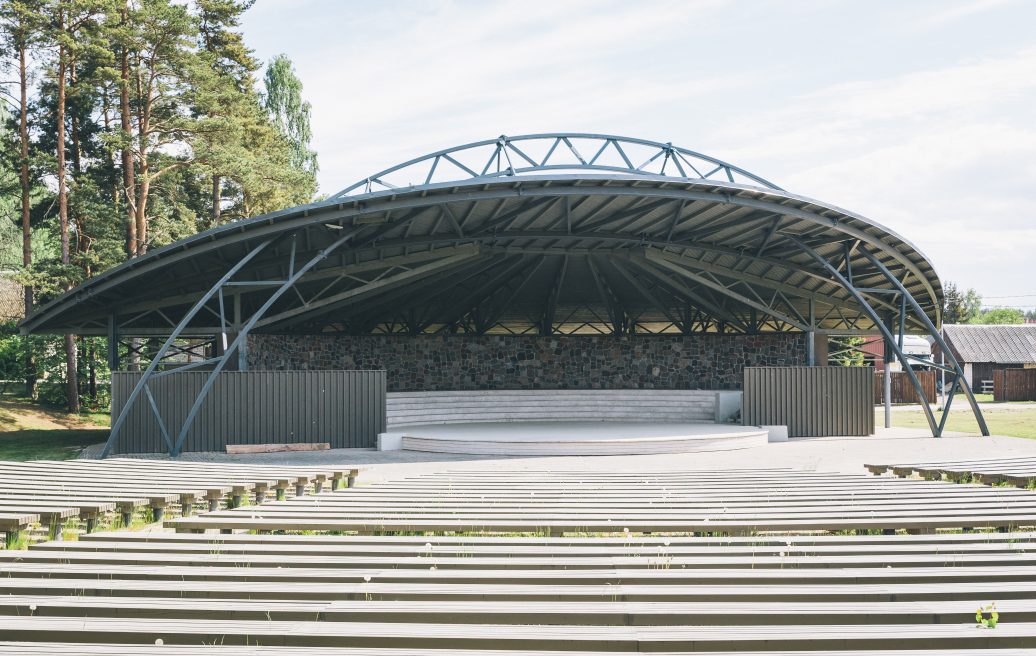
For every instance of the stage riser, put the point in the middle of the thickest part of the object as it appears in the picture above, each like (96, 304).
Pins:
(586, 447)
(408, 409)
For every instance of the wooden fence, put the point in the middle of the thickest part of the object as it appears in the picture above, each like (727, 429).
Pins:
(903, 390)
(1014, 385)
(344, 408)
(810, 401)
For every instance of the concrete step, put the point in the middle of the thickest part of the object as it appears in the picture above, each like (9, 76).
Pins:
(409, 408)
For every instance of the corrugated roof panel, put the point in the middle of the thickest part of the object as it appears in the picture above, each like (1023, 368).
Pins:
(1011, 344)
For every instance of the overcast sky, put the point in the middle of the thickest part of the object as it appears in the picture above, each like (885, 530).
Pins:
(918, 115)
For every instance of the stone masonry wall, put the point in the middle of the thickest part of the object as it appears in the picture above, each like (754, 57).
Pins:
(492, 362)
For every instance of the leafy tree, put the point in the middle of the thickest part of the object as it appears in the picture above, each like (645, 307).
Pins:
(960, 306)
(249, 160)
(1001, 316)
(283, 100)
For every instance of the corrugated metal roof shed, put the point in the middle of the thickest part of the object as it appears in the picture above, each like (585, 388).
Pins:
(1015, 344)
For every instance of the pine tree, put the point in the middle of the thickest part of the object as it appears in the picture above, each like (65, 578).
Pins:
(20, 23)
(232, 64)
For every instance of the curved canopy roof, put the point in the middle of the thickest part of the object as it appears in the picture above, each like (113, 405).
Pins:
(539, 234)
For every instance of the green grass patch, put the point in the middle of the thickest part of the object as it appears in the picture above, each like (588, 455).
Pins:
(30, 431)
(47, 444)
(1012, 422)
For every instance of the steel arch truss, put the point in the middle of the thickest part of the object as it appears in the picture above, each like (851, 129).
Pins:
(552, 152)
(658, 240)
(892, 326)
(364, 280)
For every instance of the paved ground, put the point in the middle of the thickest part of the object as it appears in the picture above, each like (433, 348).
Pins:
(844, 454)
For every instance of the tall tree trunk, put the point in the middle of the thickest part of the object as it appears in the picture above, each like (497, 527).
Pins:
(71, 368)
(26, 188)
(128, 182)
(82, 237)
(143, 189)
(217, 198)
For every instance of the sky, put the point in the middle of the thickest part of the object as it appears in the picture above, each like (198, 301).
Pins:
(919, 115)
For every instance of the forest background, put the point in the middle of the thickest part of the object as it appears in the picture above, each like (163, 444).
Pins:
(127, 125)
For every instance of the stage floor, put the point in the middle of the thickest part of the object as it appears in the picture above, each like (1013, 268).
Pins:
(571, 438)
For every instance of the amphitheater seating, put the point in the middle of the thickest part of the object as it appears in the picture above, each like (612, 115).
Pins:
(414, 408)
(52, 493)
(1017, 471)
(302, 588)
(728, 502)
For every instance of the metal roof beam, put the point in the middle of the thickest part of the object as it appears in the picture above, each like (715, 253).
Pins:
(451, 259)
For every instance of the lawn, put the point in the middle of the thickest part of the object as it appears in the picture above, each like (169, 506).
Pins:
(1013, 422)
(31, 432)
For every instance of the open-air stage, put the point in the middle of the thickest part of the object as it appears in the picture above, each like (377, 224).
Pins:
(578, 438)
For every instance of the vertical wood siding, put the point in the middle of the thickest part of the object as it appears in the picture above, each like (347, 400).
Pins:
(344, 408)
(810, 401)
(1014, 385)
(902, 389)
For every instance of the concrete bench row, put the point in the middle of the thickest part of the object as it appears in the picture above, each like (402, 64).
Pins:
(52, 493)
(108, 649)
(168, 593)
(696, 503)
(1016, 471)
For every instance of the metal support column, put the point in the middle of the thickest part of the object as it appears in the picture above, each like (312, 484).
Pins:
(811, 336)
(242, 353)
(886, 385)
(113, 343)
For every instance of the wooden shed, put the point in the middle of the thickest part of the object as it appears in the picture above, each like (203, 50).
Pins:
(983, 349)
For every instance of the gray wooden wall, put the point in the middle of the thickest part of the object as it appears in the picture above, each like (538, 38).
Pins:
(810, 401)
(345, 408)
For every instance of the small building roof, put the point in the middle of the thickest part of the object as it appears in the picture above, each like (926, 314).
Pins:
(1011, 344)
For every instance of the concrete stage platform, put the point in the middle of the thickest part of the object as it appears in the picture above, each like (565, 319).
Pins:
(574, 438)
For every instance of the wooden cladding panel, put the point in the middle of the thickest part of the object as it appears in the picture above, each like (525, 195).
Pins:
(344, 408)
(903, 390)
(1014, 385)
(810, 401)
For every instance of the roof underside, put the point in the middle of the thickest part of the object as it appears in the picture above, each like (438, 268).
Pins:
(534, 255)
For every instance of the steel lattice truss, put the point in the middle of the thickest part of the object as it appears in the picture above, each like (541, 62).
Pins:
(542, 234)
(554, 152)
